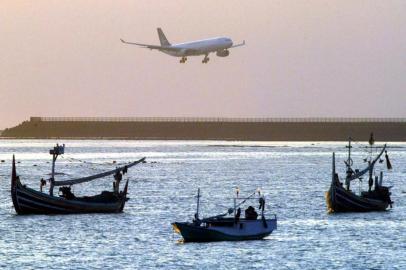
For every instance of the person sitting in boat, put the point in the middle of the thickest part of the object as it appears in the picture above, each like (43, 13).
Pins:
(196, 221)
(349, 172)
(66, 193)
(250, 213)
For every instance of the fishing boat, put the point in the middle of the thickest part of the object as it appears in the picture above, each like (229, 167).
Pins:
(228, 226)
(340, 198)
(29, 201)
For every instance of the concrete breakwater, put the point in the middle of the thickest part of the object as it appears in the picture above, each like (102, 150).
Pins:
(253, 129)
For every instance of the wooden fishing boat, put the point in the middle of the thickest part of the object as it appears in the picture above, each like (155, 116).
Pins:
(29, 201)
(340, 198)
(223, 228)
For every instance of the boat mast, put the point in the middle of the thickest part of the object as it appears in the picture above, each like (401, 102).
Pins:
(348, 164)
(371, 168)
(237, 192)
(371, 143)
(349, 153)
(198, 204)
(58, 150)
(333, 175)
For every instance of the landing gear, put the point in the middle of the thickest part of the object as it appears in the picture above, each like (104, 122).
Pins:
(205, 59)
(182, 60)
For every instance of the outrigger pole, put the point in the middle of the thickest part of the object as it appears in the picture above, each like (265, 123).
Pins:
(59, 150)
(371, 165)
(96, 176)
(245, 199)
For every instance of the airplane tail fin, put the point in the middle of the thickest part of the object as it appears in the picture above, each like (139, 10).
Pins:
(164, 41)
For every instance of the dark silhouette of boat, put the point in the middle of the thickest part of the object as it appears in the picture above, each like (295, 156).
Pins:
(222, 228)
(29, 201)
(340, 198)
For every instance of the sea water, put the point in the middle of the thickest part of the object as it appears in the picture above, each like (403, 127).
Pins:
(293, 177)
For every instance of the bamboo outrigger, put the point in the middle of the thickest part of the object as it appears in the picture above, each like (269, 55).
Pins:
(30, 201)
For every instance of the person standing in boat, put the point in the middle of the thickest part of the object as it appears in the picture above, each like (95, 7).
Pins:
(51, 186)
(117, 177)
(262, 204)
(370, 180)
(237, 215)
(42, 184)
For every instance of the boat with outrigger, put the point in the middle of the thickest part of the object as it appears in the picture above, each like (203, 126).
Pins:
(29, 201)
(340, 198)
(229, 226)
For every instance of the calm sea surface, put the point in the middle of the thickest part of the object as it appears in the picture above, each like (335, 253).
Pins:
(293, 176)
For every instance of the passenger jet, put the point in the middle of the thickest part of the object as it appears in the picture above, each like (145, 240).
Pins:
(219, 45)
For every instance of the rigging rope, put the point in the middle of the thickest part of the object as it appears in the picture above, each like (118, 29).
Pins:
(92, 165)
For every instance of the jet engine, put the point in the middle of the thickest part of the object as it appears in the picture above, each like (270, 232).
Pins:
(223, 53)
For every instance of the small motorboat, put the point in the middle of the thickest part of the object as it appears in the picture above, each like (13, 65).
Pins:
(340, 198)
(29, 201)
(228, 226)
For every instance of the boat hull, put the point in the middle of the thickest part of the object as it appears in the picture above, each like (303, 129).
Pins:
(340, 200)
(28, 201)
(241, 231)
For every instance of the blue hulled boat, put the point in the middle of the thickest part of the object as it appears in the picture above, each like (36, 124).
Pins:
(225, 228)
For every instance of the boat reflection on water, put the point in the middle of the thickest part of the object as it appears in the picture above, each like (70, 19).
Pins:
(229, 226)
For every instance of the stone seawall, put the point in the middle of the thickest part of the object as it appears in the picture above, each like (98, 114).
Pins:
(211, 130)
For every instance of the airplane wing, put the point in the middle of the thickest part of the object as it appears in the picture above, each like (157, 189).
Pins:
(152, 47)
(238, 45)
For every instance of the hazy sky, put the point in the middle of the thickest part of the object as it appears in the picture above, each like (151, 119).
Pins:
(302, 58)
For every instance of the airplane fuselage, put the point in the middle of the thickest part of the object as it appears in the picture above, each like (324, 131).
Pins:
(200, 47)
